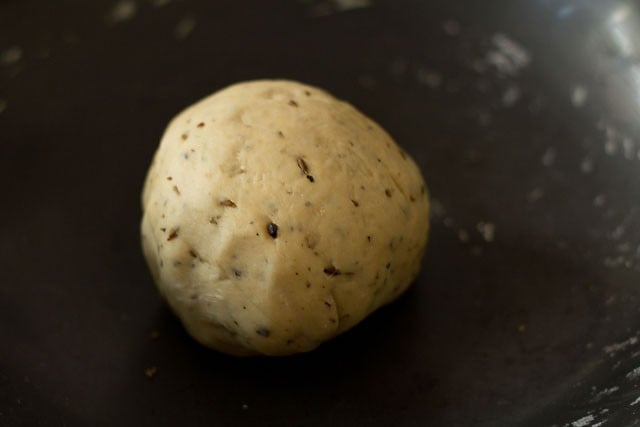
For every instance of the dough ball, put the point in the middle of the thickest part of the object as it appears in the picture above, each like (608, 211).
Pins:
(277, 216)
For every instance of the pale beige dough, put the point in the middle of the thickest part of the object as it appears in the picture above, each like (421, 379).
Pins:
(350, 207)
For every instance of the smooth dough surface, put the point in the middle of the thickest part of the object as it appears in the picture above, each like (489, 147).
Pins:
(277, 216)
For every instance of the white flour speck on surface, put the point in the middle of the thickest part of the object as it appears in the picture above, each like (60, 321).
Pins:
(610, 147)
(11, 55)
(635, 402)
(599, 423)
(509, 56)
(535, 195)
(184, 27)
(245, 406)
(487, 230)
(599, 200)
(579, 96)
(633, 374)
(623, 247)
(437, 210)
(584, 421)
(511, 96)
(428, 78)
(344, 5)
(586, 165)
(628, 148)
(616, 141)
(3, 105)
(618, 232)
(463, 235)
(565, 11)
(330, 7)
(451, 27)
(549, 157)
(122, 10)
(617, 262)
(612, 349)
(605, 392)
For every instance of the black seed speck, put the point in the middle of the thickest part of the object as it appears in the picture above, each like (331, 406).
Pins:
(327, 303)
(332, 320)
(306, 92)
(272, 229)
(412, 199)
(194, 296)
(332, 271)
(388, 266)
(302, 165)
(308, 284)
(177, 263)
(184, 136)
(388, 192)
(280, 134)
(193, 253)
(236, 323)
(244, 307)
(237, 272)
(355, 203)
(172, 234)
(176, 190)
(163, 229)
(310, 178)
(293, 103)
(201, 124)
(228, 203)
(169, 178)
(263, 332)
(368, 238)
(213, 220)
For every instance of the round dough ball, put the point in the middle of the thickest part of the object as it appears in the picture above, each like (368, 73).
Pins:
(276, 217)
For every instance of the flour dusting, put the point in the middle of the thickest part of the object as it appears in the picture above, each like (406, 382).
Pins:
(549, 157)
(612, 349)
(487, 230)
(633, 375)
(579, 96)
(508, 57)
(11, 56)
(184, 27)
(583, 422)
(123, 10)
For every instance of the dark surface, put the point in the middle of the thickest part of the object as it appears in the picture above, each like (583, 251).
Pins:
(535, 327)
